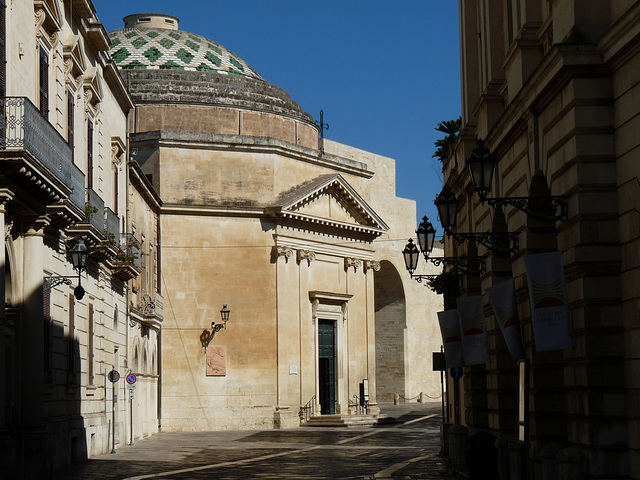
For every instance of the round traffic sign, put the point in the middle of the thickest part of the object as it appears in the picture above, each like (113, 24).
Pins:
(131, 378)
(455, 373)
(114, 376)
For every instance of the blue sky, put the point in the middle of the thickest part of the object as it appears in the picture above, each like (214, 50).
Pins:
(385, 72)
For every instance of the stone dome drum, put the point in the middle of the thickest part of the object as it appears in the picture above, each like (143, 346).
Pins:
(153, 42)
(183, 82)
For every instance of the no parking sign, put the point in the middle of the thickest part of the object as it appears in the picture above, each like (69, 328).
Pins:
(132, 379)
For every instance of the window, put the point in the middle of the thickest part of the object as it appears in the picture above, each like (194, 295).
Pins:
(48, 354)
(115, 189)
(44, 82)
(89, 153)
(90, 345)
(3, 54)
(70, 121)
(71, 340)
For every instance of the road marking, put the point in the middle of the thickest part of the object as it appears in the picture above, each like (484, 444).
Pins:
(380, 430)
(289, 452)
(223, 464)
(387, 472)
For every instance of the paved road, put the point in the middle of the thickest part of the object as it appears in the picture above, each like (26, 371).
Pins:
(405, 449)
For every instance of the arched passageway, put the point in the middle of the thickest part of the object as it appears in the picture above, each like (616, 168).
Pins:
(391, 323)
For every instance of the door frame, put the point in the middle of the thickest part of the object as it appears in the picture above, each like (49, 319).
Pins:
(332, 307)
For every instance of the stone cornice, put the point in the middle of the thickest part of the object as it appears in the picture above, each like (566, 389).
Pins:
(245, 143)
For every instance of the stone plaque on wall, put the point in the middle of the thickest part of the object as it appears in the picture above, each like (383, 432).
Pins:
(216, 361)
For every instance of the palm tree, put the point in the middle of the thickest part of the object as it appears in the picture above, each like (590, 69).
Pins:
(445, 145)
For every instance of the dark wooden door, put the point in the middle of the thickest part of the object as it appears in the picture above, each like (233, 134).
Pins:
(327, 366)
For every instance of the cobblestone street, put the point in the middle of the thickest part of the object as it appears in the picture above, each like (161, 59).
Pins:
(406, 448)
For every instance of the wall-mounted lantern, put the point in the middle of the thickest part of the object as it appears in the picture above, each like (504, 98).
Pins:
(79, 257)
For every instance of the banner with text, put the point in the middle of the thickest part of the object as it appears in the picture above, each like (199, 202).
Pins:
(502, 297)
(450, 330)
(549, 301)
(474, 330)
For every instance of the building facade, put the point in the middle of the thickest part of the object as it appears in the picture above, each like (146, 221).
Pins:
(299, 237)
(551, 88)
(64, 182)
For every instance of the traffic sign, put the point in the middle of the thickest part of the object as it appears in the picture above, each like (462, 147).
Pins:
(132, 378)
(456, 372)
(114, 376)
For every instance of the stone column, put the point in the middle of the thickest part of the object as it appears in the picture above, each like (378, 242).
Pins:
(32, 326)
(370, 267)
(5, 196)
(36, 454)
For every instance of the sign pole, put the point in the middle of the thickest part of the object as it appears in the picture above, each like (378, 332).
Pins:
(132, 378)
(131, 412)
(114, 376)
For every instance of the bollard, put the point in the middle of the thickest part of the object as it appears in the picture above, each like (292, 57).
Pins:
(396, 399)
(421, 399)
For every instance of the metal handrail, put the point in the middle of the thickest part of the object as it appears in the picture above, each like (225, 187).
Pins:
(309, 410)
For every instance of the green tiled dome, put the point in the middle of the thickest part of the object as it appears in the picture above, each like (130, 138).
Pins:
(147, 46)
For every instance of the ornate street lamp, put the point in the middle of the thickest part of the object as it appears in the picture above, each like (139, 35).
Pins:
(411, 255)
(79, 258)
(481, 164)
(447, 205)
(206, 336)
(546, 208)
(426, 236)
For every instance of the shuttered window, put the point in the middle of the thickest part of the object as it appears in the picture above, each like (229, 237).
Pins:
(70, 121)
(89, 153)
(44, 82)
(3, 54)
(90, 345)
(71, 339)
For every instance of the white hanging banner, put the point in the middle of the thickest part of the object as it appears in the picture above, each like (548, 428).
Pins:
(502, 297)
(549, 301)
(450, 331)
(474, 330)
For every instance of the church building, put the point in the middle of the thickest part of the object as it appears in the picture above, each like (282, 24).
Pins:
(298, 237)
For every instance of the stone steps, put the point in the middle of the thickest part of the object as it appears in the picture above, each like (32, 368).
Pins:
(344, 420)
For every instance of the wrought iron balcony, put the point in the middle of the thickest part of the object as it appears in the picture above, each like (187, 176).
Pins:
(128, 262)
(36, 157)
(111, 224)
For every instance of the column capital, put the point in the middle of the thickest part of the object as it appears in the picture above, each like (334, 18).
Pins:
(286, 252)
(371, 265)
(352, 262)
(34, 226)
(307, 255)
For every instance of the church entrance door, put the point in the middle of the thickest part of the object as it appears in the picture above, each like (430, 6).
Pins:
(327, 366)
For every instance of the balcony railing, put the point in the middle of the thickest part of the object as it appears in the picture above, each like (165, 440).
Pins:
(130, 248)
(23, 127)
(95, 209)
(77, 187)
(111, 224)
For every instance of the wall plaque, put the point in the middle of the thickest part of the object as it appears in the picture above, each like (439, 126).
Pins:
(216, 361)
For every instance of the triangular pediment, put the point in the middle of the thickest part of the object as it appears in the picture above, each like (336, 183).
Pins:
(330, 200)
(53, 15)
(74, 53)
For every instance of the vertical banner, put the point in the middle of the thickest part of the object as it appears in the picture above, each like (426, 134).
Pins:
(502, 297)
(450, 330)
(474, 330)
(549, 301)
